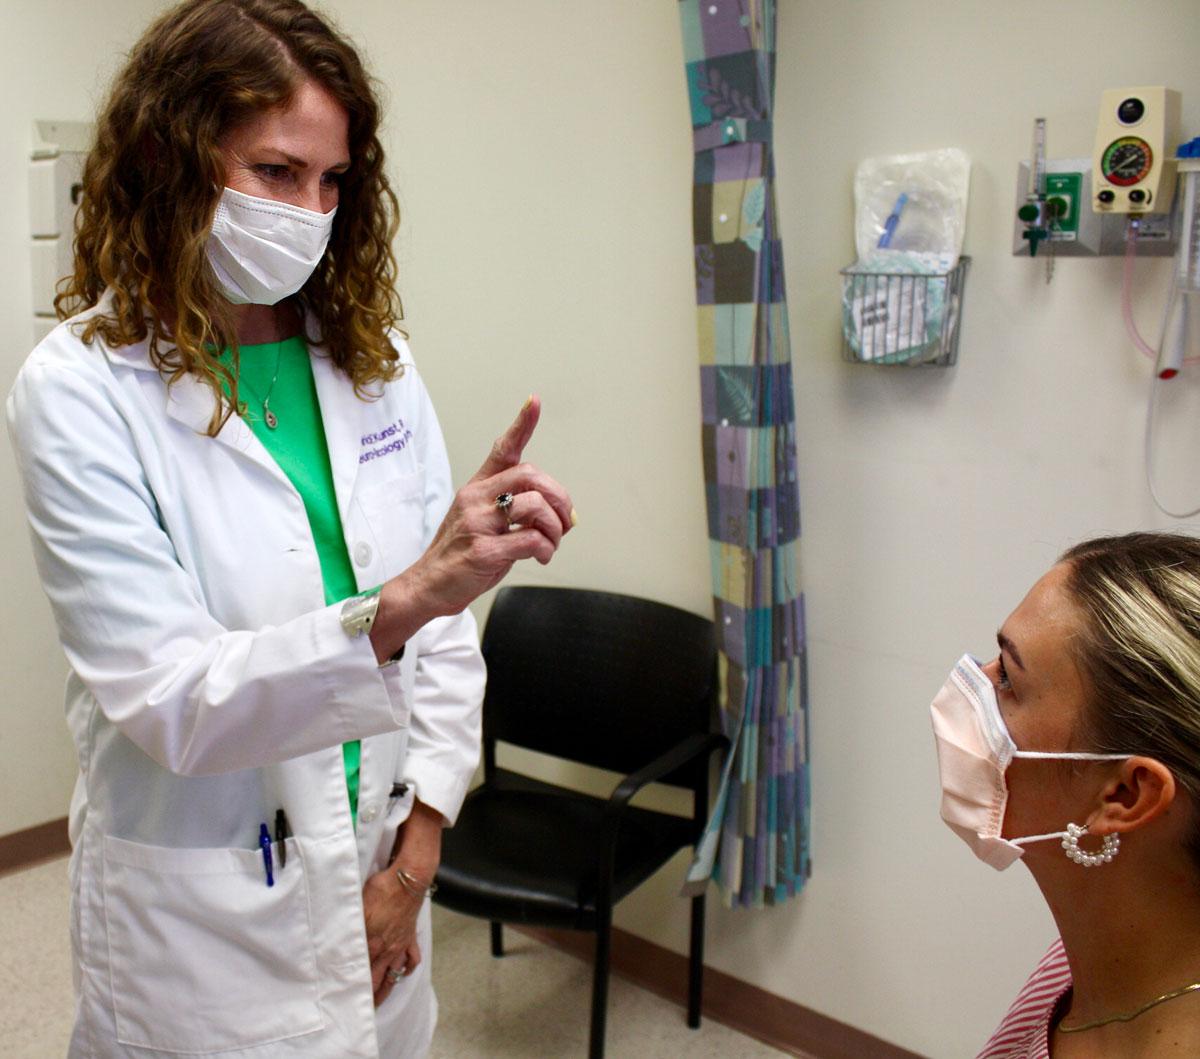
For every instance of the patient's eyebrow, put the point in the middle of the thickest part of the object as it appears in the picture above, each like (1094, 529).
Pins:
(1007, 645)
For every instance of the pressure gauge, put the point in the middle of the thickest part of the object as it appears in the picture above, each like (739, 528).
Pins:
(1127, 161)
(1132, 159)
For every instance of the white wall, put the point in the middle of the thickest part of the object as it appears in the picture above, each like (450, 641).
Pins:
(55, 58)
(542, 155)
(933, 500)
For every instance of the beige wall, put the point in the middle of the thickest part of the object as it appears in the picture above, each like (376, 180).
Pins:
(55, 57)
(542, 155)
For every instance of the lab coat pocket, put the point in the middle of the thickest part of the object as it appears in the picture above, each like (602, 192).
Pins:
(205, 956)
(394, 511)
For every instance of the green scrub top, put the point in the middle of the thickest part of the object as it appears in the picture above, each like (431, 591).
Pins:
(280, 373)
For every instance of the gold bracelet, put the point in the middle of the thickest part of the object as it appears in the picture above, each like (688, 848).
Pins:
(412, 885)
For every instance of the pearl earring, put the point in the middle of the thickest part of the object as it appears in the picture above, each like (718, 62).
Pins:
(1070, 845)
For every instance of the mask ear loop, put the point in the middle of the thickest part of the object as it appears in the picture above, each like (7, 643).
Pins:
(1070, 837)
(1040, 838)
(1070, 844)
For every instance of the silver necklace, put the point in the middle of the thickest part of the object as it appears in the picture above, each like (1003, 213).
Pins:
(269, 417)
(272, 420)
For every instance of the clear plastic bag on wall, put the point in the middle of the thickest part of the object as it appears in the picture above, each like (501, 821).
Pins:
(927, 193)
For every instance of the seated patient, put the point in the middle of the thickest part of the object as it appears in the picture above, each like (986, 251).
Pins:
(1078, 749)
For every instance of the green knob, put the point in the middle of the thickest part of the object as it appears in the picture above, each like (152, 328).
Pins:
(1058, 207)
(1029, 212)
(1035, 236)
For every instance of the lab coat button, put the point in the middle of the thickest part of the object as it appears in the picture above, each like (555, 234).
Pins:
(362, 553)
(369, 813)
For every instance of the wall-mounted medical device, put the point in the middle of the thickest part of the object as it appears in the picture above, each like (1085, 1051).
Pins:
(1069, 226)
(1125, 199)
(1134, 156)
(1080, 207)
(55, 169)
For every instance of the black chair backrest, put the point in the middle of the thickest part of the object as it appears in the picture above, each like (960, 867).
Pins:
(596, 677)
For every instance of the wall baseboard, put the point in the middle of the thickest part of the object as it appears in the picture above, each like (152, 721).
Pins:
(781, 1023)
(23, 849)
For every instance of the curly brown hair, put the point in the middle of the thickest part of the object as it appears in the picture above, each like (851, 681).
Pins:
(153, 178)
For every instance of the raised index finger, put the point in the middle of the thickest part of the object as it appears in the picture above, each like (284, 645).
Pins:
(509, 446)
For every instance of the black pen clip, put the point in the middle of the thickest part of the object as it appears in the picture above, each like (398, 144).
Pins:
(281, 833)
(399, 790)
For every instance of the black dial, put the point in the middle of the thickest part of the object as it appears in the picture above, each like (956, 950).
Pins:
(1131, 111)
(1127, 161)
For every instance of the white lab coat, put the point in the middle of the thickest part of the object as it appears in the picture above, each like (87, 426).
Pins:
(210, 686)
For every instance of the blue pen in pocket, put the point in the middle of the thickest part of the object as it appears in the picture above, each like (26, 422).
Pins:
(264, 840)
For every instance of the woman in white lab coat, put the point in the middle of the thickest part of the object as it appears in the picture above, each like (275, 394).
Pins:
(242, 515)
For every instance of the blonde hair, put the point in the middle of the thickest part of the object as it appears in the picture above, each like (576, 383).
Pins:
(154, 176)
(1138, 648)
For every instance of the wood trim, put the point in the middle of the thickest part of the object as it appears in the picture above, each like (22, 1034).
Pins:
(772, 1019)
(23, 849)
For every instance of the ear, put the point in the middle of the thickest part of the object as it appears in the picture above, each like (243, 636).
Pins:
(1141, 791)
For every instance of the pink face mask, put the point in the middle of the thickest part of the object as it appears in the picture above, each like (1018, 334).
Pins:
(974, 750)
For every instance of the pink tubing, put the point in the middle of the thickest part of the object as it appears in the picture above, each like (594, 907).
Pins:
(1126, 295)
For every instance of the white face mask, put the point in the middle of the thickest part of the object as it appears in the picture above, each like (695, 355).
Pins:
(974, 750)
(261, 250)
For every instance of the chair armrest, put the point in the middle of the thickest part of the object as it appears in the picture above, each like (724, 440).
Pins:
(694, 746)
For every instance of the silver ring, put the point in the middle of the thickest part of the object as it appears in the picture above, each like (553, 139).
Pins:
(393, 975)
(504, 502)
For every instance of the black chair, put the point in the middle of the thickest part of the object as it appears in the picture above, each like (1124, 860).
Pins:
(621, 683)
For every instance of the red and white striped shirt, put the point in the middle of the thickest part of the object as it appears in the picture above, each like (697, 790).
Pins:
(1024, 1033)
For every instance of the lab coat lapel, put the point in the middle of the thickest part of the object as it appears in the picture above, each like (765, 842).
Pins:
(191, 402)
(340, 416)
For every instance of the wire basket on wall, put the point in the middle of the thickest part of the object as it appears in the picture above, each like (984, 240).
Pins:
(902, 318)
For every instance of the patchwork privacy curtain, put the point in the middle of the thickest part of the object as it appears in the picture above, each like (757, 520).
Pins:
(756, 846)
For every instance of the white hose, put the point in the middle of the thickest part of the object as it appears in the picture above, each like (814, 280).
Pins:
(1154, 382)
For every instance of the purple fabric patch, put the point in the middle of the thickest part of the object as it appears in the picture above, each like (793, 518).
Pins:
(738, 161)
(770, 278)
(727, 514)
(730, 447)
(706, 275)
(708, 395)
(721, 25)
(731, 630)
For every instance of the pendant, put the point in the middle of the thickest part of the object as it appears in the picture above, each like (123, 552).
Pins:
(272, 420)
